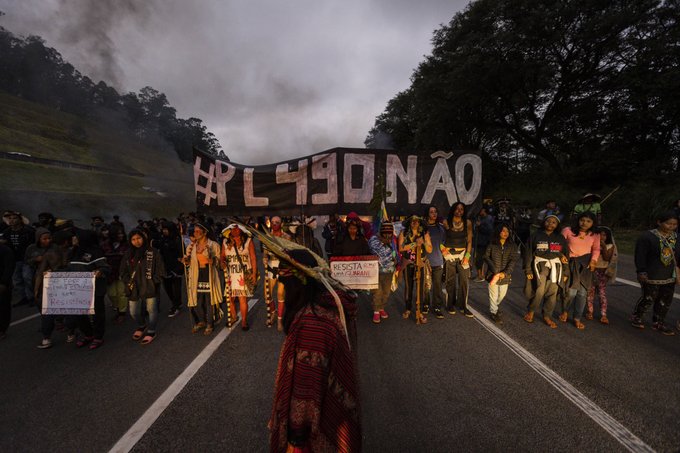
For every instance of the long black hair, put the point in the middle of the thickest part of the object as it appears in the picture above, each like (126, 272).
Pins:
(575, 229)
(496, 238)
(449, 217)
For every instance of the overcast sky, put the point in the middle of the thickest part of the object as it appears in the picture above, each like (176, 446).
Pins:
(273, 79)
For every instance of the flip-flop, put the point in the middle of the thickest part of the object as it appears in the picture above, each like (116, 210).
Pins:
(148, 338)
(139, 333)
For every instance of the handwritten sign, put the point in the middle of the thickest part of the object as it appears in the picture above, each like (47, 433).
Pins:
(68, 293)
(356, 272)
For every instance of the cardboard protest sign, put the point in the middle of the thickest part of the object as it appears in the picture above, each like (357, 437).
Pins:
(68, 293)
(356, 272)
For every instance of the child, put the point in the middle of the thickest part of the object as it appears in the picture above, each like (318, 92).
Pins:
(605, 271)
(500, 258)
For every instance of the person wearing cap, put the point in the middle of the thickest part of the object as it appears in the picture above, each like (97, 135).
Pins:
(316, 405)
(546, 270)
(271, 265)
(382, 245)
(353, 243)
(590, 202)
(413, 236)
(18, 236)
(457, 249)
(204, 291)
(239, 259)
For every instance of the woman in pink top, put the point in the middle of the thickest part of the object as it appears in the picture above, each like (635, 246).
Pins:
(584, 250)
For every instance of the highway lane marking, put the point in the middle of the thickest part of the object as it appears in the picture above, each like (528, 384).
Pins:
(632, 283)
(626, 438)
(141, 426)
(27, 318)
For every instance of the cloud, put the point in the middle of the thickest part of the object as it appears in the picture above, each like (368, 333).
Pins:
(273, 80)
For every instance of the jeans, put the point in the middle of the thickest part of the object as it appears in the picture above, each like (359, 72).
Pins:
(437, 297)
(457, 284)
(545, 290)
(578, 296)
(136, 312)
(22, 280)
(381, 294)
(496, 295)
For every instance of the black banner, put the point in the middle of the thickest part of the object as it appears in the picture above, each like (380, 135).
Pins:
(339, 180)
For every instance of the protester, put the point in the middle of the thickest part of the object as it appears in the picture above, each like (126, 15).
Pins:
(87, 256)
(316, 393)
(435, 260)
(605, 272)
(7, 266)
(413, 237)
(332, 231)
(481, 238)
(353, 242)
(456, 251)
(114, 248)
(18, 236)
(504, 214)
(142, 271)
(271, 268)
(382, 245)
(500, 258)
(657, 254)
(54, 259)
(204, 291)
(239, 260)
(590, 202)
(584, 251)
(171, 248)
(304, 235)
(551, 208)
(546, 270)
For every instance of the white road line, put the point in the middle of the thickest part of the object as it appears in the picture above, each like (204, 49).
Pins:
(629, 440)
(141, 426)
(632, 283)
(27, 318)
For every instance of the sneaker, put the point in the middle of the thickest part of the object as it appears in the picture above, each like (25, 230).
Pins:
(84, 341)
(70, 338)
(383, 314)
(479, 280)
(451, 310)
(468, 313)
(46, 343)
(637, 322)
(173, 312)
(96, 343)
(426, 309)
(376, 317)
(495, 317)
(662, 328)
(438, 313)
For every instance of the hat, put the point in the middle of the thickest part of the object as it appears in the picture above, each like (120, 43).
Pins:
(62, 223)
(503, 200)
(227, 230)
(594, 196)
(8, 214)
(201, 226)
(553, 216)
(387, 227)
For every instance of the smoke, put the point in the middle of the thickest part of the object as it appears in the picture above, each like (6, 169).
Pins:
(88, 25)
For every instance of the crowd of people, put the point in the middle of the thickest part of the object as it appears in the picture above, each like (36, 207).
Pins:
(214, 267)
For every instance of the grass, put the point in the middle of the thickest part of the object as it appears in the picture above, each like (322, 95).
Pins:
(40, 131)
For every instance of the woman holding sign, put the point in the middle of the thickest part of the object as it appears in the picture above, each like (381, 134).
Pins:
(142, 271)
(238, 258)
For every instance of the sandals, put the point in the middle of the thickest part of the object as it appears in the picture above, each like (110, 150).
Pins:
(406, 314)
(149, 337)
(589, 316)
(208, 330)
(84, 341)
(139, 333)
(604, 320)
(197, 327)
(579, 325)
(564, 316)
(529, 317)
(96, 343)
(550, 323)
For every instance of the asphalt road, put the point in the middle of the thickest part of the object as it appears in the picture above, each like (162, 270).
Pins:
(449, 385)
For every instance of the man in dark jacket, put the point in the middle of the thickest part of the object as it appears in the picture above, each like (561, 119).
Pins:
(170, 246)
(6, 271)
(18, 236)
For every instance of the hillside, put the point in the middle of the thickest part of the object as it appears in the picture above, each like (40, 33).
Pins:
(118, 175)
